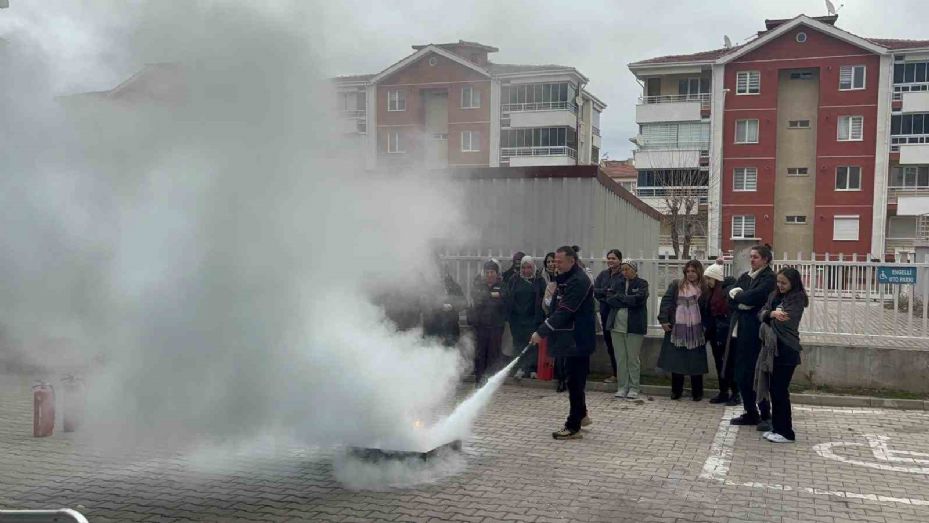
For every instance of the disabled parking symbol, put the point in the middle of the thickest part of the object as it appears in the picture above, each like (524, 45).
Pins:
(885, 458)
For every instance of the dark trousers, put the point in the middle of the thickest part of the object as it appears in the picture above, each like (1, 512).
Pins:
(577, 368)
(487, 353)
(781, 420)
(745, 379)
(608, 340)
(726, 376)
(696, 385)
(521, 335)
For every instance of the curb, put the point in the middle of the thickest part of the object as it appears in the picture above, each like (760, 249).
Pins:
(822, 400)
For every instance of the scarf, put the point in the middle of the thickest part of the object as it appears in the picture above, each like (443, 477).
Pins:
(688, 329)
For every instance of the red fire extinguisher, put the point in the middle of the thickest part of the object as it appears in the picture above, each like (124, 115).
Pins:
(43, 415)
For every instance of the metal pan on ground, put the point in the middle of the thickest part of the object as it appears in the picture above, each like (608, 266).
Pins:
(374, 455)
(64, 515)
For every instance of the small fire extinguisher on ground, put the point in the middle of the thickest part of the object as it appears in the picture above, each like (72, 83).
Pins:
(43, 420)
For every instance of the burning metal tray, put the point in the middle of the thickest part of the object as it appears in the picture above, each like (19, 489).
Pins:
(378, 455)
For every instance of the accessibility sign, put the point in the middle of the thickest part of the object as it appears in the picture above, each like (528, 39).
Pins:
(896, 275)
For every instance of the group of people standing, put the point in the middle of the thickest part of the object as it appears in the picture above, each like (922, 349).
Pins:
(751, 324)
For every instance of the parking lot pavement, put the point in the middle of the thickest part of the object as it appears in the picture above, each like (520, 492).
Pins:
(646, 460)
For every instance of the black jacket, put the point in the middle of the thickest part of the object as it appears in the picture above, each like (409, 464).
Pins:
(716, 325)
(634, 299)
(571, 327)
(488, 304)
(604, 282)
(439, 322)
(524, 301)
(754, 295)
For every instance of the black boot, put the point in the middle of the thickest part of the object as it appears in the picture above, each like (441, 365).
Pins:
(562, 386)
(722, 397)
(734, 400)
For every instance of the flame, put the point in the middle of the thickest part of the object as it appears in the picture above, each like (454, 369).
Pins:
(418, 424)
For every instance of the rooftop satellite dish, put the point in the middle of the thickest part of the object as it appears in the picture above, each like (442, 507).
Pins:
(830, 7)
(727, 43)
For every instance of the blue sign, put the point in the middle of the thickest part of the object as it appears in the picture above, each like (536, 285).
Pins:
(896, 275)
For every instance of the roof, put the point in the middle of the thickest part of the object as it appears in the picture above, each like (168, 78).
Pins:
(776, 27)
(354, 78)
(619, 169)
(461, 43)
(519, 68)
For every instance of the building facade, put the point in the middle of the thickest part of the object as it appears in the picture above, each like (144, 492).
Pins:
(812, 139)
(447, 105)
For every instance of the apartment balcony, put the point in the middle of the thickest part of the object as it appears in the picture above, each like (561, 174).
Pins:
(897, 245)
(661, 193)
(353, 121)
(677, 156)
(672, 108)
(536, 156)
(895, 193)
(913, 149)
(540, 114)
(902, 90)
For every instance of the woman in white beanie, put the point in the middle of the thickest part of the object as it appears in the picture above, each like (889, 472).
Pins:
(716, 323)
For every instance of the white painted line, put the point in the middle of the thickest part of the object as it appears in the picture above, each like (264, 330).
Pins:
(716, 466)
(838, 411)
(882, 452)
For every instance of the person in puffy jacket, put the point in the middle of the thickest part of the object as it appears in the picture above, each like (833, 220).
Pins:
(608, 279)
(487, 315)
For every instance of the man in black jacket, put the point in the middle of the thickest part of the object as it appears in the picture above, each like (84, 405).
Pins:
(746, 299)
(571, 332)
(487, 315)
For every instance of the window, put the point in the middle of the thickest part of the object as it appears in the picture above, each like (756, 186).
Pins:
(539, 137)
(748, 82)
(594, 155)
(798, 171)
(851, 128)
(743, 227)
(693, 87)
(653, 87)
(470, 98)
(534, 97)
(798, 124)
(396, 100)
(845, 228)
(801, 75)
(911, 72)
(470, 141)
(848, 178)
(746, 131)
(795, 219)
(909, 177)
(801, 37)
(851, 77)
(393, 142)
(901, 227)
(745, 179)
(917, 123)
(673, 135)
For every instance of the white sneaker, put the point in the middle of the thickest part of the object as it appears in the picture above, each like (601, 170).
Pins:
(632, 394)
(774, 437)
(533, 375)
(611, 379)
(519, 374)
(766, 434)
(620, 394)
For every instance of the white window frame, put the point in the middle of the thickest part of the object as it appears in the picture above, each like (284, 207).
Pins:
(851, 71)
(743, 220)
(797, 124)
(396, 101)
(745, 172)
(850, 126)
(835, 220)
(746, 121)
(797, 219)
(393, 143)
(848, 170)
(472, 147)
(747, 83)
(473, 98)
(797, 172)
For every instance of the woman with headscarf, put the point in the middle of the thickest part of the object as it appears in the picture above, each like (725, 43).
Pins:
(683, 351)
(627, 324)
(524, 312)
(604, 285)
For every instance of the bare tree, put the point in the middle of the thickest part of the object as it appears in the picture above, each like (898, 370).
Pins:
(681, 194)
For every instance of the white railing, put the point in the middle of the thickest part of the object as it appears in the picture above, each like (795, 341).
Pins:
(595, 130)
(661, 191)
(359, 113)
(702, 98)
(903, 139)
(899, 89)
(896, 192)
(539, 106)
(510, 152)
(703, 146)
(847, 300)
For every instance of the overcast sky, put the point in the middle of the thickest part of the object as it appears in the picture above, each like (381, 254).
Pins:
(598, 37)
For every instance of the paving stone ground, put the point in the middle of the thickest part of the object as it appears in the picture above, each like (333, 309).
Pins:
(656, 460)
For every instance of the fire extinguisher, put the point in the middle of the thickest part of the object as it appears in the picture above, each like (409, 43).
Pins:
(73, 403)
(43, 415)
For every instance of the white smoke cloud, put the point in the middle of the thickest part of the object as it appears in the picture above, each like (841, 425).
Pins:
(206, 259)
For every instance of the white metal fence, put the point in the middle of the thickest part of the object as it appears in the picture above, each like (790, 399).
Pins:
(846, 296)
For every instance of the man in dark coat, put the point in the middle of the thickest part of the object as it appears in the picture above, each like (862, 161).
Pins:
(487, 315)
(514, 269)
(571, 334)
(746, 299)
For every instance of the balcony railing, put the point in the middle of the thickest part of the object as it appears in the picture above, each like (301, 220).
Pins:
(703, 98)
(903, 139)
(700, 192)
(899, 89)
(539, 106)
(596, 131)
(357, 113)
(894, 192)
(684, 146)
(510, 152)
